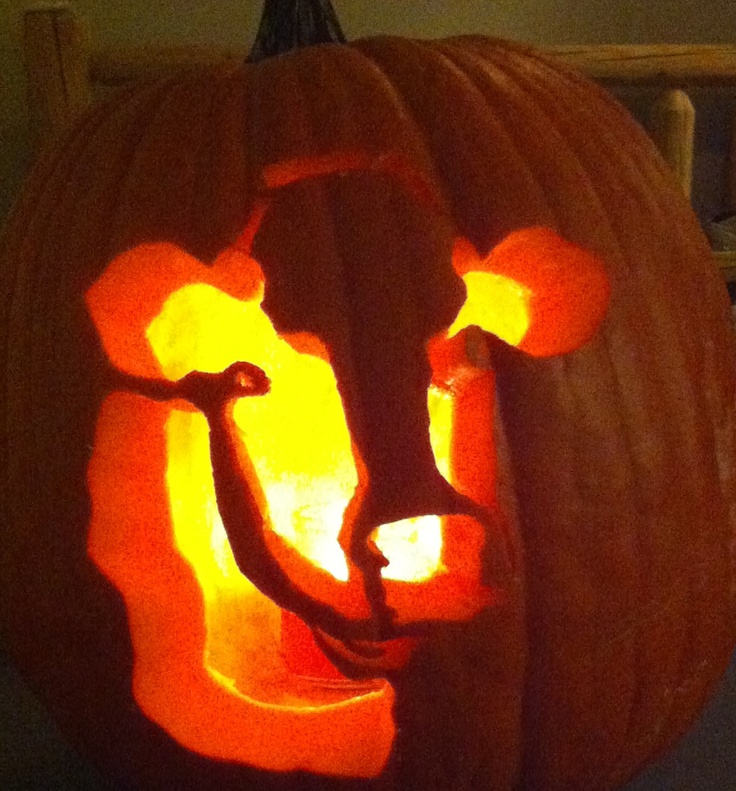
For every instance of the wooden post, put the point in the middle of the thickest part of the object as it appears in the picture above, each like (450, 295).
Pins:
(673, 130)
(731, 172)
(57, 73)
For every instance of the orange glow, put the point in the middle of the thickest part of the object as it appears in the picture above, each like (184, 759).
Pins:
(534, 290)
(197, 624)
(242, 704)
(217, 663)
(209, 664)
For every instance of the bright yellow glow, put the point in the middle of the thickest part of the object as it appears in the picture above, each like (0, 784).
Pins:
(233, 698)
(259, 697)
(236, 610)
(441, 405)
(192, 490)
(412, 547)
(296, 437)
(496, 304)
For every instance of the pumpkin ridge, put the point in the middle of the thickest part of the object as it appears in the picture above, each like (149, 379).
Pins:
(552, 70)
(517, 98)
(55, 164)
(274, 93)
(410, 128)
(54, 155)
(501, 99)
(49, 185)
(527, 102)
(634, 629)
(705, 443)
(563, 99)
(681, 245)
(455, 113)
(371, 112)
(226, 98)
(187, 92)
(650, 169)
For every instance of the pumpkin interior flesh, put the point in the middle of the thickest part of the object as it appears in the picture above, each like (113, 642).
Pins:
(221, 711)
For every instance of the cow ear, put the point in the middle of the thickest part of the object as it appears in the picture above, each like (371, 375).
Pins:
(534, 290)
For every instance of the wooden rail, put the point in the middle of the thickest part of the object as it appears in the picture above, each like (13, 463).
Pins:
(658, 65)
(57, 71)
(727, 263)
(62, 74)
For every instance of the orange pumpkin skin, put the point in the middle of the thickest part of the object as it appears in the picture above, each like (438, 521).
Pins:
(615, 462)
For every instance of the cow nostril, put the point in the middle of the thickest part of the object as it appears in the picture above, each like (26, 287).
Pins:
(412, 547)
(419, 548)
(450, 580)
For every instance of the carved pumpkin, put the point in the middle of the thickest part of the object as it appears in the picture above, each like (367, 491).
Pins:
(318, 457)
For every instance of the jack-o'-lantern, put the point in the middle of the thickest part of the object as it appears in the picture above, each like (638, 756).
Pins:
(370, 417)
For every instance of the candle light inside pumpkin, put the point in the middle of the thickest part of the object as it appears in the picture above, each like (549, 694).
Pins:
(162, 314)
(298, 443)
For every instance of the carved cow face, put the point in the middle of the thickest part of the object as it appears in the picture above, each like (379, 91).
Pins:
(297, 461)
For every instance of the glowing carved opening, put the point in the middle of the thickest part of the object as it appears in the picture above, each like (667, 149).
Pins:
(240, 668)
(495, 303)
(214, 663)
(296, 435)
(215, 660)
(534, 290)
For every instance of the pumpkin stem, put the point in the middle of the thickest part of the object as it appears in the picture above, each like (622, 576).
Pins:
(293, 24)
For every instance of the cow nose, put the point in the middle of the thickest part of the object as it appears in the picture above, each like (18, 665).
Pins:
(389, 420)
(400, 485)
(416, 493)
(413, 535)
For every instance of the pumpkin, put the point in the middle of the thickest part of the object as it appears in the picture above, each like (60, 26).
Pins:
(269, 330)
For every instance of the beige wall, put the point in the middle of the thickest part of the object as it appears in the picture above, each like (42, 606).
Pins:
(232, 23)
